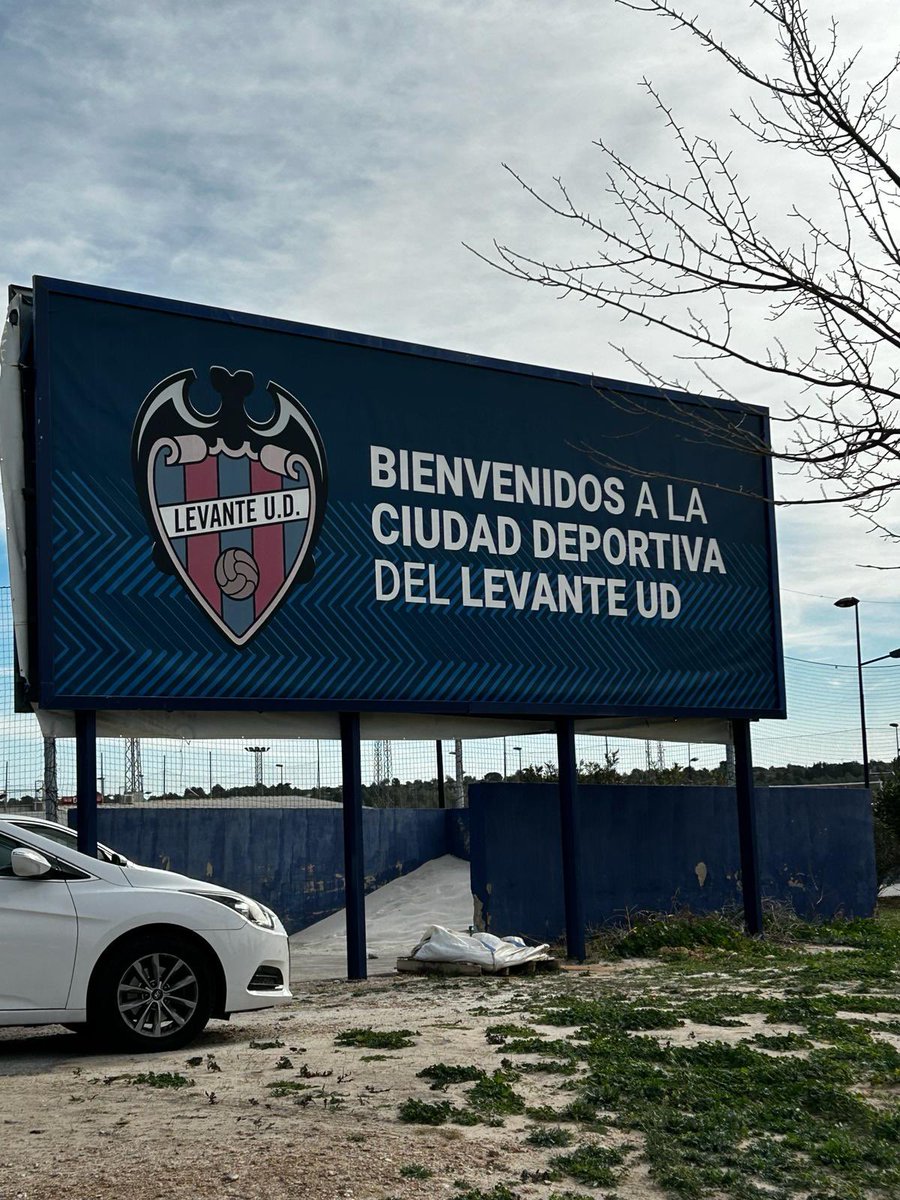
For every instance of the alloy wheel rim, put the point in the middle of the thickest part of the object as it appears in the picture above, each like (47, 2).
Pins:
(157, 995)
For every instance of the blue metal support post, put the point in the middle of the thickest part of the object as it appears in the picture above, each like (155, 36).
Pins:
(747, 831)
(86, 780)
(571, 838)
(442, 797)
(354, 879)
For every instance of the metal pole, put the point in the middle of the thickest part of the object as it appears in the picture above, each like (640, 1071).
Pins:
(210, 772)
(504, 760)
(354, 880)
(442, 799)
(318, 769)
(747, 831)
(86, 780)
(862, 702)
(571, 839)
(460, 775)
(164, 776)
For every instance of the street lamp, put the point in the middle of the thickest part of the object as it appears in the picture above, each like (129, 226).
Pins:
(280, 767)
(518, 750)
(895, 725)
(853, 602)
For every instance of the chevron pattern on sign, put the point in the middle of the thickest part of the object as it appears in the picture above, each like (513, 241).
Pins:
(121, 628)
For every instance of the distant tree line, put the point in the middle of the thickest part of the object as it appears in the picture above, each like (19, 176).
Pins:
(424, 793)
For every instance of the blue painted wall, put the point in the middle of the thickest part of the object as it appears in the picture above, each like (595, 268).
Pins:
(290, 859)
(655, 848)
(643, 848)
(458, 832)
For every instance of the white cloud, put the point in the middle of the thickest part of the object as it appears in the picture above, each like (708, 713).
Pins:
(325, 162)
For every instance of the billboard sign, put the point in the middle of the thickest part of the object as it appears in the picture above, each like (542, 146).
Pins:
(239, 512)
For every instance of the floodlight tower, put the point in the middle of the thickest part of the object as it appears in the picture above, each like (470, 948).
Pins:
(134, 771)
(257, 752)
(383, 767)
(51, 793)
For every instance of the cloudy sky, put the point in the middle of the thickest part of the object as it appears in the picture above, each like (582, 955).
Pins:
(325, 162)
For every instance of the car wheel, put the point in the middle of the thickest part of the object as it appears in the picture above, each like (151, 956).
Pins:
(153, 993)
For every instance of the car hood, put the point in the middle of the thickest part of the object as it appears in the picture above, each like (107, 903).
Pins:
(171, 881)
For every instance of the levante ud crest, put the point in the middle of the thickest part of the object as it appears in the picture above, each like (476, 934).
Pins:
(233, 504)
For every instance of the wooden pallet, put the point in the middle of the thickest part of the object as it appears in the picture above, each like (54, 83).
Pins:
(415, 966)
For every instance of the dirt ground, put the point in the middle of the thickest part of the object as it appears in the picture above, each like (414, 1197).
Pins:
(77, 1125)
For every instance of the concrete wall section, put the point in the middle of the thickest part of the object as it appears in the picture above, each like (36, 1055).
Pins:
(290, 859)
(663, 847)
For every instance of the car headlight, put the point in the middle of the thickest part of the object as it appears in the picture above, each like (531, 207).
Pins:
(248, 909)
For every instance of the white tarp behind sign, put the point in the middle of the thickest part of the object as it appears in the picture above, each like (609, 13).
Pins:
(443, 945)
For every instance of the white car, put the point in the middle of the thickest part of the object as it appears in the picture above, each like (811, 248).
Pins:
(139, 958)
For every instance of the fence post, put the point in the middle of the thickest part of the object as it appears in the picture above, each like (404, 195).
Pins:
(86, 780)
(354, 879)
(747, 831)
(571, 838)
(442, 799)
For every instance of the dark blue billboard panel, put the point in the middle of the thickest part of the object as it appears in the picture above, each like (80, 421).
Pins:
(239, 512)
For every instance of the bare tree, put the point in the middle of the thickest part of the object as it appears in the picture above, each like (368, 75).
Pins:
(686, 255)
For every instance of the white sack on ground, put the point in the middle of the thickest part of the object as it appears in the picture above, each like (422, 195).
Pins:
(443, 945)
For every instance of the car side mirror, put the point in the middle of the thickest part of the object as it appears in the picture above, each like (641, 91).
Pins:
(29, 864)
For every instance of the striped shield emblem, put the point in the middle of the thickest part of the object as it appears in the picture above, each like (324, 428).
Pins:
(234, 505)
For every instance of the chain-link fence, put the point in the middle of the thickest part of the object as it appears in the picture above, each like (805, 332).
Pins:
(820, 742)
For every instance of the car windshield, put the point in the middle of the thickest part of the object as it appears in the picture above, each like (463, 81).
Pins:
(64, 836)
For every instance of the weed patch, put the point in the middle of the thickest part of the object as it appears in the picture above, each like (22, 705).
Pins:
(442, 1074)
(416, 1171)
(420, 1112)
(494, 1096)
(498, 1192)
(373, 1039)
(594, 1165)
(287, 1087)
(508, 1030)
(159, 1079)
(555, 1137)
(786, 1041)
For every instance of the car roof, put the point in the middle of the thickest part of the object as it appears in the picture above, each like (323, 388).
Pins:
(94, 866)
(16, 818)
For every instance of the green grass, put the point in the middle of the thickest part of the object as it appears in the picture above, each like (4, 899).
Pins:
(494, 1096)
(372, 1039)
(730, 1120)
(420, 1112)
(498, 1192)
(597, 1166)
(549, 1137)
(509, 1030)
(416, 1171)
(807, 1113)
(441, 1074)
(287, 1087)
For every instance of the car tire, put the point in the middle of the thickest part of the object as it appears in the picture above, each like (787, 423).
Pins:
(152, 993)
